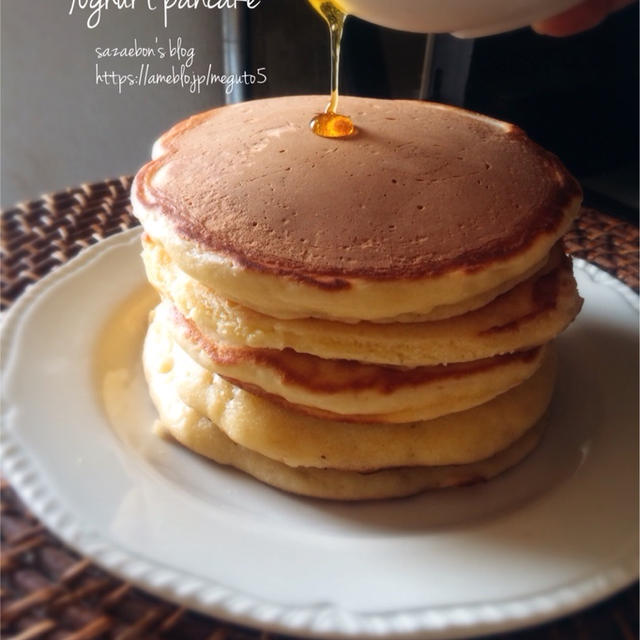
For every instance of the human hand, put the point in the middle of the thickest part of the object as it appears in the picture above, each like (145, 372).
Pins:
(583, 16)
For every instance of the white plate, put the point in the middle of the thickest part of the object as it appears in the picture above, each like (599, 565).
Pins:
(557, 533)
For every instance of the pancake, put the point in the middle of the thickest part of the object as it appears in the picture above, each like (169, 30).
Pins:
(530, 314)
(350, 390)
(155, 257)
(300, 440)
(428, 206)
(202, 436)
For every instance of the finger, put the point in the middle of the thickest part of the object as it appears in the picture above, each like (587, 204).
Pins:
(579, 18)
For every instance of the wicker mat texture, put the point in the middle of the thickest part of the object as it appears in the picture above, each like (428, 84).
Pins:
(48, 591)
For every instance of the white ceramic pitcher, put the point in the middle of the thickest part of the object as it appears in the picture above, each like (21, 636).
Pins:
(464, 18)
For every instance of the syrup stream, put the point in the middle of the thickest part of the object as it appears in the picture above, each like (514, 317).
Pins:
(332, 124)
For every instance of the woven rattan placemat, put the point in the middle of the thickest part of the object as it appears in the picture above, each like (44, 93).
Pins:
(50, 592)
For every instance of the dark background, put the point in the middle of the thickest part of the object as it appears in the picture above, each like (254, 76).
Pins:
(577, 96)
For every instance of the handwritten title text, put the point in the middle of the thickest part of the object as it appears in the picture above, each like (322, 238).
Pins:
(95, 9)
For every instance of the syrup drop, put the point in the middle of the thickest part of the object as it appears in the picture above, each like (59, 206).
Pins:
(332, 125)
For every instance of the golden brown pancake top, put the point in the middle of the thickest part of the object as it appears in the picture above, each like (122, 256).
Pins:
(420, 190)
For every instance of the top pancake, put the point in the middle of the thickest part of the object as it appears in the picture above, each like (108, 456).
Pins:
(445, 202)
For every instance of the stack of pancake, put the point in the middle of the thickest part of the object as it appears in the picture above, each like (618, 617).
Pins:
(358, 318)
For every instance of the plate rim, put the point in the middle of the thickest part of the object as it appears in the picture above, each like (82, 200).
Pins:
(215, 599)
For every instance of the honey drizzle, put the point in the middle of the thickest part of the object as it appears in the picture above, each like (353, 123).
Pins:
(330, 123)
